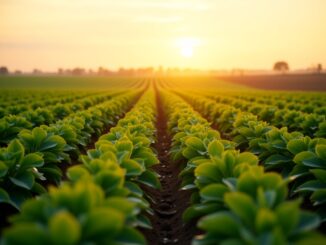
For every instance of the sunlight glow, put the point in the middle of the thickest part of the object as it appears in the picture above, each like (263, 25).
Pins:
(203, 34)
(187, 45)
(186, 51)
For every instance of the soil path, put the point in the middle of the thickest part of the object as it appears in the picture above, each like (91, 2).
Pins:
(170, 202)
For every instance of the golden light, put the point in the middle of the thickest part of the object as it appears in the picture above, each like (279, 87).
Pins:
(187, 45)
(187, 51)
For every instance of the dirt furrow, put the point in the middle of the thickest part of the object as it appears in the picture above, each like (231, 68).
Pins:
(170, 202)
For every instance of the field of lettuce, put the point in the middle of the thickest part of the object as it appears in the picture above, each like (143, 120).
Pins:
(159, 161)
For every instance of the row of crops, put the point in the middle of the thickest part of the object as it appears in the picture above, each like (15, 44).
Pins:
(75, 167)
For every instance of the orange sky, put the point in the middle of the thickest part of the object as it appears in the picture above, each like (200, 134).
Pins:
(206, 34)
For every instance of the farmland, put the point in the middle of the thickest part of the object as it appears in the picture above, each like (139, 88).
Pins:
(164, 160)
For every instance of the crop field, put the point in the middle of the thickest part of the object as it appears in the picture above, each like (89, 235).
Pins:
(133, 161)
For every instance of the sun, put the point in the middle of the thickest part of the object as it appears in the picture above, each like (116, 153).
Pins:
(187, 51)
(187, 45)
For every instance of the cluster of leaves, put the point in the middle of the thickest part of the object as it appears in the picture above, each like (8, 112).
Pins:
(101, 203)
(292, 154)
(305, 102)
(253, 210)
(75, 213)
(131, 141)
(309, 124)
(18, 174)
(47, 146)
(28, 118)
(233, 198)
(15, 106)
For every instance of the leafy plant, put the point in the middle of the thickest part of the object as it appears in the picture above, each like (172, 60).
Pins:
(74, 214)
(19, 174)
(256, 212)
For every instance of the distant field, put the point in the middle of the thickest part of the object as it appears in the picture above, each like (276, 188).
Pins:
(282, 82)
(66, 82)
(270, 82)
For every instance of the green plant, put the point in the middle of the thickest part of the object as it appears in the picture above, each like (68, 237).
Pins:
(19, 174)
(75, 213)
(256, 212)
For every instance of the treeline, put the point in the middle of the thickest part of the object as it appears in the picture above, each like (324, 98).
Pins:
(102, 71)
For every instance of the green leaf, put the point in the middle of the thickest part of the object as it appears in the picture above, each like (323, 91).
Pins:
(39, 135)
(130, 236)
(215, 148)
(24, 180)
(247, 184)
(296, 146)
(242, 205)
(103, 222)
(190, 153)
(27, 234)
(311, 185)
(133, 167)
(319, 197)
(208, 173)
(17, 150)
(149, 158)
(247, 157)
(31, 160)
(308, 159)
(199, 210)
(34, 208)
(144, 222)
(320, 174)
(213, 192)
(277, 159)
(195, 143)
(307, 222)
(76, 172)
(265, 220)
(321, 151)
(124, 145)
(223, 223)
(150, 179)
(64, 229)
(134, 189)
(4, 197)
(3, 169)
(122, 204)
(288, 215)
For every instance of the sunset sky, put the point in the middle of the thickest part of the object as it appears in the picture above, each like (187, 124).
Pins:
(206, 34)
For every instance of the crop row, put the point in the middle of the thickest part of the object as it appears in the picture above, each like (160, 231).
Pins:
(11, 125)
(50, 104)
(307, 105)
(297, 157)
(101, 202)
(235, 200)
(34, 158)
(302, 101)
(308, 123)
(14, 98)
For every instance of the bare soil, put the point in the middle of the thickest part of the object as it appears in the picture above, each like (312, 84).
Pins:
(170, 202)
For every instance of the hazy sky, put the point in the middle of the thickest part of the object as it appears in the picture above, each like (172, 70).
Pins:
(48, 34)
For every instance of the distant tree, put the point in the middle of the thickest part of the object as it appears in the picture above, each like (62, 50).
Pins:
(60, 71)
(281, 66)
(319, 68)
(37, 71)
(78, 71)
(18, 72)
(4, 70)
